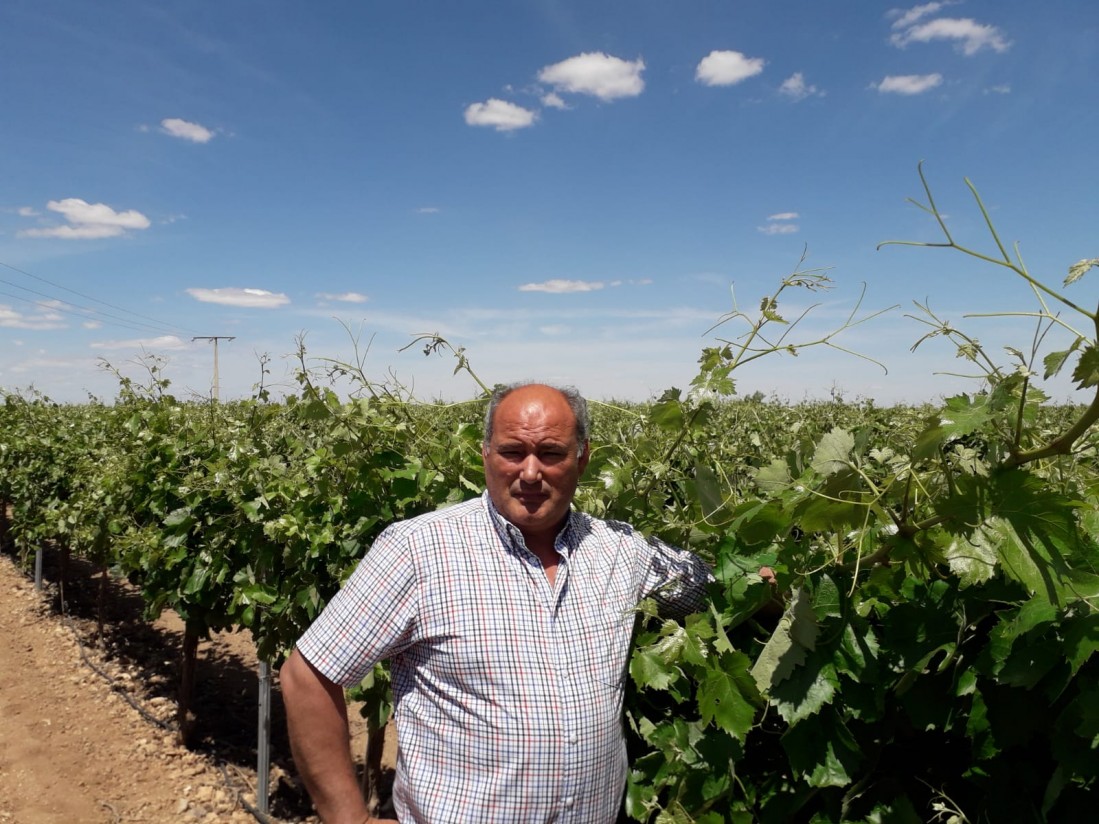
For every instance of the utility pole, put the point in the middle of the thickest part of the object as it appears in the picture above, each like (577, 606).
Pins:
(215, 339)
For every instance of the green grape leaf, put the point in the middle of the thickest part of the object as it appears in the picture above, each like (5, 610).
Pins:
(774, 477)
(858, 651)
(758, 522)
(769, 308)
(674, 814)
(806, 691)
(650, 670)
(822, 751)
(721, 639)
(1086, 373)
(973, 558)
(1030, 661)
(667, 413)
(979, 729)
(1054, 361)
(251, 509)
(197, 580)
(795, 634)
(1043, 527)
(827, 600)
(708, 487)
(963, 415)
(1016, 623)
(1081, 639)
(727, 696)
(182, 517)
(833, 452)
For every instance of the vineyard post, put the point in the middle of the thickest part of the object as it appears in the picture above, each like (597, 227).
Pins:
(263, 745)
(215, 339)
(38, 569)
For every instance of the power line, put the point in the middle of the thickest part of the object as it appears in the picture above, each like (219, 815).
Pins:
(156, 322)
(83, 311)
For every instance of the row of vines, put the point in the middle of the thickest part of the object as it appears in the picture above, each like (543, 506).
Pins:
(928, 655)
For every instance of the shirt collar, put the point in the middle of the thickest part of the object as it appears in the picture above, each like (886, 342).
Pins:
(512, 537)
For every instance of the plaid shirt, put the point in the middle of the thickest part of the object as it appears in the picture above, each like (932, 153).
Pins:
(508, 691)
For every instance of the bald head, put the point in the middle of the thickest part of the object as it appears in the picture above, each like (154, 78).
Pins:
(572, 398)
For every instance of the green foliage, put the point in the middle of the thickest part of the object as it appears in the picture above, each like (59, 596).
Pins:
(928, 652)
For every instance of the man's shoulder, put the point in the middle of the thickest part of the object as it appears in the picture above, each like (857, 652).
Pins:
(605, 531)
(473, 508)
(590, 526)
(452, 516)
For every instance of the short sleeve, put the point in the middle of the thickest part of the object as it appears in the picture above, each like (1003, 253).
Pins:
(675, 578)
(373, 617)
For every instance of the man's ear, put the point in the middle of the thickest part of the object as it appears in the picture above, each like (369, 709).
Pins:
(585, 454)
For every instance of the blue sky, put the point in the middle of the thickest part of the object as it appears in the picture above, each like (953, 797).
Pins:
(572, 191)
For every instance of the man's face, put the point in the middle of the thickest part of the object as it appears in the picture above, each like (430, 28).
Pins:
(533, 461)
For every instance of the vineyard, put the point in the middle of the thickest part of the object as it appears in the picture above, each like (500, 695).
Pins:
(927, 654)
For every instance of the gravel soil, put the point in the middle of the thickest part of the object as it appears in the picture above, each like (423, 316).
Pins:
(87, 722)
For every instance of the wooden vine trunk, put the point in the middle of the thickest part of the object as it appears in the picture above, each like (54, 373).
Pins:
(100, 605)
(185, 718)
(372, 768)
(5, 534)
(63, 574)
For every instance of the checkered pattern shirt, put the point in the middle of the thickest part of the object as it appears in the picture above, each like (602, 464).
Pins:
(508, 690)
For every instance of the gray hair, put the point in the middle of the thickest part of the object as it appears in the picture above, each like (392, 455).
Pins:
(572, 396)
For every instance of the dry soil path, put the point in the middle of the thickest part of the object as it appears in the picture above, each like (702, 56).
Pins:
(72, 749)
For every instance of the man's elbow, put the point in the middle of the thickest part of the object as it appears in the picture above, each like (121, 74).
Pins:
(298, 677)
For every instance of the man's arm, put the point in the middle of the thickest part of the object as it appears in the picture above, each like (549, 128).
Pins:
(316, 715)
(678, 580)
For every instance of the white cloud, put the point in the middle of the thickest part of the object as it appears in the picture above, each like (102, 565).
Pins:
(345, 297)
(1003, 88)
(555, 330)
(36, 365)
(970, 35)
(500, 115)
(796, 88)
(27, 211)
(39, 321)
(553, 100)
(428, 210)
(162, 342)
(91, 324)
(909, 83)
(88, 221)
(915, 14)
(778, 229)
(186, 130)
(726, 68)
(232, 296)
(559, 286)
(784, 216)
(600, 75)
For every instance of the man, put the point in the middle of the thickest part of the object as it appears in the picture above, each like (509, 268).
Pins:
(508, 621)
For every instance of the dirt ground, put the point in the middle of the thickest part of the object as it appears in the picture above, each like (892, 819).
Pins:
(86, 728)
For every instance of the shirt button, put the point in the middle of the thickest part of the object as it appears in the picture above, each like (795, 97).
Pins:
(573, 739)
(568, 802)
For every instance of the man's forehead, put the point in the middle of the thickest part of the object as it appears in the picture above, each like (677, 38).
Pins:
(536, 401)
(535, 408)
